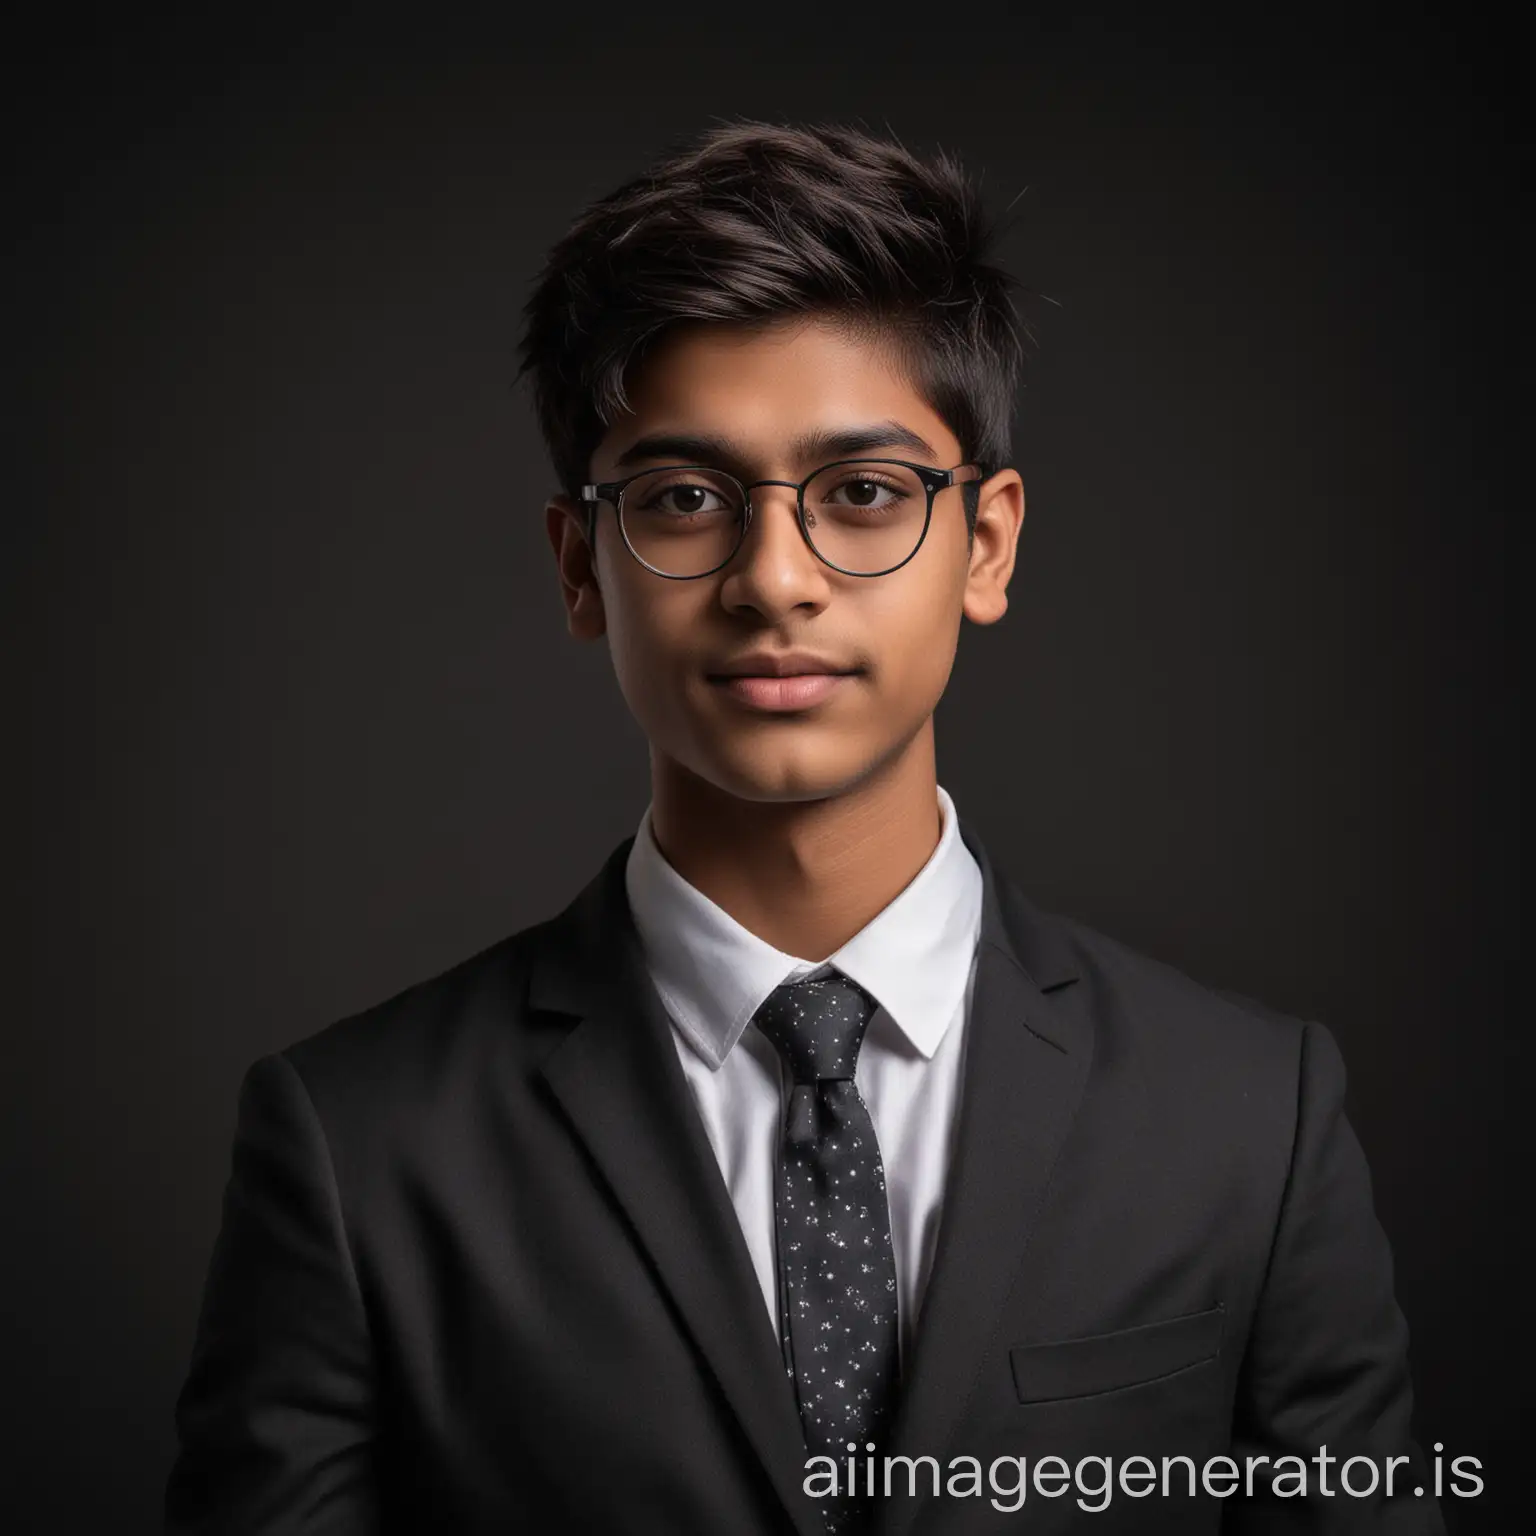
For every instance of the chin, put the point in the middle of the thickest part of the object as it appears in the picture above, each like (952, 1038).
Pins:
(789, 776)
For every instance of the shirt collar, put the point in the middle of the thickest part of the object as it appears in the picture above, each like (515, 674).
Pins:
(913, 957)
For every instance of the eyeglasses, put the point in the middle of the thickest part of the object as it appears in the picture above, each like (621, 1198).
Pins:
(862, 517)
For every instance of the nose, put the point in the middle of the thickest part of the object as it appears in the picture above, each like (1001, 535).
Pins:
(775, 571)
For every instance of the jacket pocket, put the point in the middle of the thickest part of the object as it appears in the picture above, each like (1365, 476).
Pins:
(1106, 1362)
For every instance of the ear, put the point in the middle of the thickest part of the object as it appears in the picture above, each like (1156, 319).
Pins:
(999, 517)
(565, 521)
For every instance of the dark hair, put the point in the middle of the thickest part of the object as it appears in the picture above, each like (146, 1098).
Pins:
(754, 222)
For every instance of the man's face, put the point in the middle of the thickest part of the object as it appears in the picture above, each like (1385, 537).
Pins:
(754, 394)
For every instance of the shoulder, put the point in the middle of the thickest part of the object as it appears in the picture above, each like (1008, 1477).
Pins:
(1227, 1090)
(1192, 1044)
(425, 1044)
(1157, 995)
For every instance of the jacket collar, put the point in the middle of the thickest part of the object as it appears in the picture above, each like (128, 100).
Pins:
(584, 940)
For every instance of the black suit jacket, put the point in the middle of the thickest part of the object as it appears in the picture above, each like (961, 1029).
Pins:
(478, 1270)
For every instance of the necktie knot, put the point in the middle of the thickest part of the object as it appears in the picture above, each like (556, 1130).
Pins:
(817, 1026)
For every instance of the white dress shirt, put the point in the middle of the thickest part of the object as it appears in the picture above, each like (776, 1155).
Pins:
(916, 958)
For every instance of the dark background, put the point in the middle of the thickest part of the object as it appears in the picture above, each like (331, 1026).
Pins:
(292, 722)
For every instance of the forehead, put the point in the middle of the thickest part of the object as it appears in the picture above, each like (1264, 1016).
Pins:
(764, 386)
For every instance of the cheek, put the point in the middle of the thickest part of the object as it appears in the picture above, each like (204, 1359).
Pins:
(915, 633)
(931, 661)
(648, 635)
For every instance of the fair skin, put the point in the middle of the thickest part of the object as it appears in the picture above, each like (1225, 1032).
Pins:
(803, 823)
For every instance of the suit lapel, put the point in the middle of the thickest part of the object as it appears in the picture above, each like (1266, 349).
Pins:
(617, 1077)
(1026, 1061)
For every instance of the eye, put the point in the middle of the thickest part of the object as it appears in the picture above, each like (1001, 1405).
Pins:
(866, 492)
(684, 498)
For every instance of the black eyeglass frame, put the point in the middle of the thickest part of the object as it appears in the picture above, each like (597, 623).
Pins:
(612, 491)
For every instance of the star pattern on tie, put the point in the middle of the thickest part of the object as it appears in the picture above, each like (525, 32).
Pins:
(837, 1271)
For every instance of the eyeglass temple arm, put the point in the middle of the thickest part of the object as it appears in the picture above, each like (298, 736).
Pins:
(592, 498)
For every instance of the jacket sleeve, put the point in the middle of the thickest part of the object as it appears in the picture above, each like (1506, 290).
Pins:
(274, 1421)
(1326, 1367)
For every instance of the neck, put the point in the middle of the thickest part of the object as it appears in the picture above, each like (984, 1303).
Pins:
(804, 875)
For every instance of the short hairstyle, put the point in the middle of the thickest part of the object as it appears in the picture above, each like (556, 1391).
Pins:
(755, 222)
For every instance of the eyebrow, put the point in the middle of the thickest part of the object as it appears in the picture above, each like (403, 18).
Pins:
(820, 446)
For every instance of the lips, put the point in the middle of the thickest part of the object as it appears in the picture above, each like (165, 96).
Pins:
(782, 681)
(781, 664)
(785, 693)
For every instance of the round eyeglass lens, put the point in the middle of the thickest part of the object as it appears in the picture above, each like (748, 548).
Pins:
(866, 518)
(682, 522)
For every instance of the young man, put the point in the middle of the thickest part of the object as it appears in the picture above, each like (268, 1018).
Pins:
(801, 1142)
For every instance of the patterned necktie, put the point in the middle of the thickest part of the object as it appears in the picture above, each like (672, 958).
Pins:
(837, 1274)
